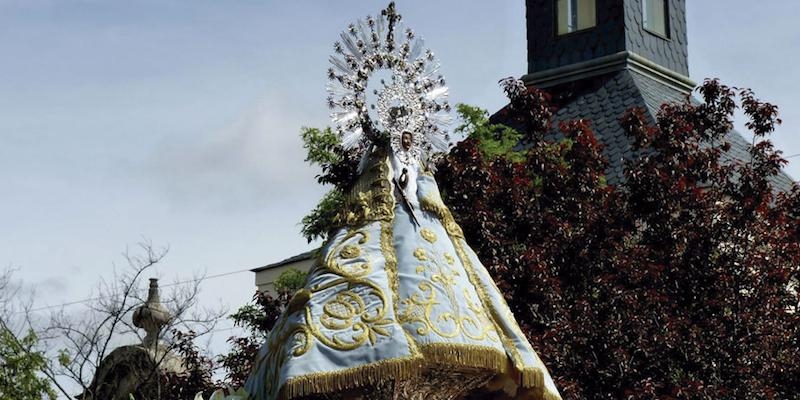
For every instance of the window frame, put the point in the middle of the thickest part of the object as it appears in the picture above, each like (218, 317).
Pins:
(556, 20)
(667, 26)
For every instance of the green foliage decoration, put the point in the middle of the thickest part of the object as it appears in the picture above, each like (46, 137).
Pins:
(337, 168)
(323, 217)
(494, 140)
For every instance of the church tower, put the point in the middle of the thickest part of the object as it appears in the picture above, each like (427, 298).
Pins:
(598, 58)
(574, 38)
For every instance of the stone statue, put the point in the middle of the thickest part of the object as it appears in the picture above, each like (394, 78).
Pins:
(136, 369)
(152, 316)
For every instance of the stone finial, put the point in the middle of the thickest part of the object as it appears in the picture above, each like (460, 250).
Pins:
(151, 316)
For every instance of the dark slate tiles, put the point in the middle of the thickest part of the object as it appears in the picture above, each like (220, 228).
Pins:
(604, 99)
(619, 28)
(670, 52)
(548, 50)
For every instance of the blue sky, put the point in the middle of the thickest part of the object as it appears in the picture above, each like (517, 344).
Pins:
(178, 121)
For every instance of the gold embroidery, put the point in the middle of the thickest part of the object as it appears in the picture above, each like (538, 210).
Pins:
(428, 235)
(387, 249)
(347, 251)
(466, 355)
(420, 254)
(421, 308)
(350, 251)
(512, 321)
(531, 376)
(298, 300)
(480, 312)
(337, 380)
(432, 203)
(348, 312)
(348, 319)
(509, 345)
(371, 197)
(296, 338)
(405, 368)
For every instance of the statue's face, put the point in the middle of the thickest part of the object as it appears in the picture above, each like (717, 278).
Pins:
(405, 141)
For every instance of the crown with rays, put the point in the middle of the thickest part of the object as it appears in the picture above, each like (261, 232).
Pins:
(414, 99)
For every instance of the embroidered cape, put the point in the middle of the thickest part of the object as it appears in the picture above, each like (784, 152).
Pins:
(392, 306)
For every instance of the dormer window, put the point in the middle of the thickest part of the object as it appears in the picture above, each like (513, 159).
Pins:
(575, 15)
(655, 17)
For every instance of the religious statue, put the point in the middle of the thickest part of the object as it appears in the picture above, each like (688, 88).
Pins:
(397, 305)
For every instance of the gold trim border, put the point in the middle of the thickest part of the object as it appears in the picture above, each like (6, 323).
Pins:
(450, 354)
(466, 355)
(390, 266)
(350, 378)
(530, 377)
(433, 354)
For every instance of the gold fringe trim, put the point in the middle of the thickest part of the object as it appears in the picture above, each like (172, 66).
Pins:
(350, 378)
(488, 305)
(435, 354)
(528, 377)
(466, 355)
(532, 377)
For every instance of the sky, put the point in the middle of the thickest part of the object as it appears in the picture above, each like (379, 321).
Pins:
(178, 121)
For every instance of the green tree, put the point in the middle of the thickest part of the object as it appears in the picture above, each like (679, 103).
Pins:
(337, 168)
(21, 368)
(257, 318)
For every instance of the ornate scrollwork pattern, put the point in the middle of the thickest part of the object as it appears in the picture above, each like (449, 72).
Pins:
(348, 252)
(443, 316)
(348, 320)
(420, 254)
(295, 337)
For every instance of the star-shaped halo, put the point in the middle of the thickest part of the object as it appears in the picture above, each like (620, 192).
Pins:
(414, 100)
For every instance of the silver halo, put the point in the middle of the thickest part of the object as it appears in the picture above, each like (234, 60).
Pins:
(415, 99)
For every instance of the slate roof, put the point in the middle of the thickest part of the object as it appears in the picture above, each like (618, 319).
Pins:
(300, 257)
(604, 99)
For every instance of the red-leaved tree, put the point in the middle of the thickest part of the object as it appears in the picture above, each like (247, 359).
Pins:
(677, 283)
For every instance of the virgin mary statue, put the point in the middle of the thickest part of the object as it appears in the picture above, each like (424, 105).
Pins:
(397, 305)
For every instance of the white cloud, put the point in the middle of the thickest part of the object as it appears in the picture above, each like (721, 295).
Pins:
(255, 159)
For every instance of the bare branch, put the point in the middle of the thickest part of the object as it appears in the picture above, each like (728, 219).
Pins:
(88, 337)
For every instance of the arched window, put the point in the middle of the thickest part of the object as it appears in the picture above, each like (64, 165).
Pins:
(575, 15)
